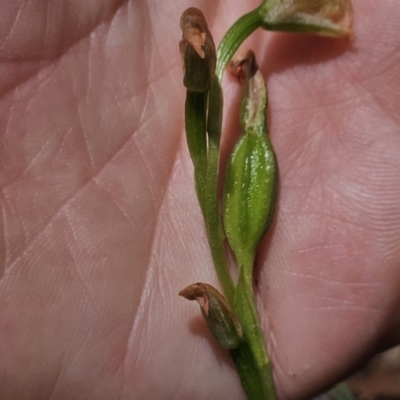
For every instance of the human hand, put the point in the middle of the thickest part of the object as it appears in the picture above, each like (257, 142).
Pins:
(101, 226)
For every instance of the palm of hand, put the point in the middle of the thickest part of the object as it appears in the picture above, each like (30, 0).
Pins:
(101, 226)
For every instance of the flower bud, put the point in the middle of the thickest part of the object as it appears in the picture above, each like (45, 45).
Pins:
(251, 177)
(217, 313)
(197, 51)
(321, 17)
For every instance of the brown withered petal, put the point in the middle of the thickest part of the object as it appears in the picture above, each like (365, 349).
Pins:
(194, 29)
(197, 50)
(217, 313)
(196, 291)
(242, 66)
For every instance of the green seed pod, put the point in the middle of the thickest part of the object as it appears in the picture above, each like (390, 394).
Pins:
(249, 195)
(220, 319)
(197, 51)
(251, 178)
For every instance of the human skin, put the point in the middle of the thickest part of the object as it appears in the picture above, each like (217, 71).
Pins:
(101, 229)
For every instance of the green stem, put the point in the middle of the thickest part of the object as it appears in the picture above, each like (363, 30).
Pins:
(195, 125)
(235, 36)
(203, 138)
(251, 358)
(216, 235)
(205, 159)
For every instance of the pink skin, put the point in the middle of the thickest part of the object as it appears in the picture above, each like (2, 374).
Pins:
(101, 228)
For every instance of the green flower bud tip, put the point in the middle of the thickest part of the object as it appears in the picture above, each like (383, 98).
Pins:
(197, 51)
(217, 313)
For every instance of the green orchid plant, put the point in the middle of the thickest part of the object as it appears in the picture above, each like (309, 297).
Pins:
(245, 212)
